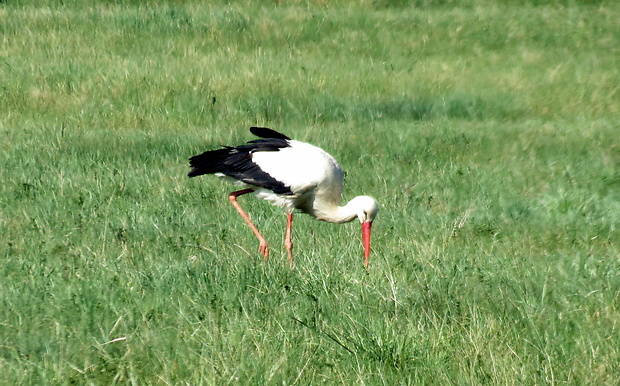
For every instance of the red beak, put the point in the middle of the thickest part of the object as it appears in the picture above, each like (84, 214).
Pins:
(366, 240)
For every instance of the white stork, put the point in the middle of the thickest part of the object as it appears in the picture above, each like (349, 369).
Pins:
(290, 174)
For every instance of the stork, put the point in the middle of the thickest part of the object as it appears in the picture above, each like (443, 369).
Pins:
(291, 174)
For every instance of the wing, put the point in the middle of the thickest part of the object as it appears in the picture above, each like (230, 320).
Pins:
(238, 163)
(264, 132)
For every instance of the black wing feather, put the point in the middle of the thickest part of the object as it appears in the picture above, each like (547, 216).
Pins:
(236, 162)
(265, 132)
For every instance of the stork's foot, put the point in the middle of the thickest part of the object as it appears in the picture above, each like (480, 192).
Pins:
(263, 249)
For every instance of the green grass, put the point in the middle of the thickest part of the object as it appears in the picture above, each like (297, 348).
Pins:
(487, 130)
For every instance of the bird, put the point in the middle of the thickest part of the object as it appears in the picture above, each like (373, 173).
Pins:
(294, 175)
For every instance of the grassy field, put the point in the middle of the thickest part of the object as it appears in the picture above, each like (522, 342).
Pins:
(487, 130)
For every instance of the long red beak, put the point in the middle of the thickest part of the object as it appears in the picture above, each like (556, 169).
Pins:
(366, 226)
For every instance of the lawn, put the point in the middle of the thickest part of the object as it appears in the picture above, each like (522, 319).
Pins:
(488, 131)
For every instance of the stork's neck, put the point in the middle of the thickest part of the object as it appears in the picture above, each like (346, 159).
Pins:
(337, 214)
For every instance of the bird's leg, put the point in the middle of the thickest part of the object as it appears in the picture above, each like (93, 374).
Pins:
(263, 247)
(288, 239)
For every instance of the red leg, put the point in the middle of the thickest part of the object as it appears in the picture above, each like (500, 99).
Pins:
(263, 247)
(288, 239)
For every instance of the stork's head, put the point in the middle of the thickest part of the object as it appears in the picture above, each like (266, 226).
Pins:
(367, 209)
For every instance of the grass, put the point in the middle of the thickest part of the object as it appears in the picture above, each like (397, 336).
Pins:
(486, 130)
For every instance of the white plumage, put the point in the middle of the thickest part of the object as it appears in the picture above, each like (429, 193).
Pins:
(313, 176)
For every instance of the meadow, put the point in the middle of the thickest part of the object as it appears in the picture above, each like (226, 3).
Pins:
(488, 131)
